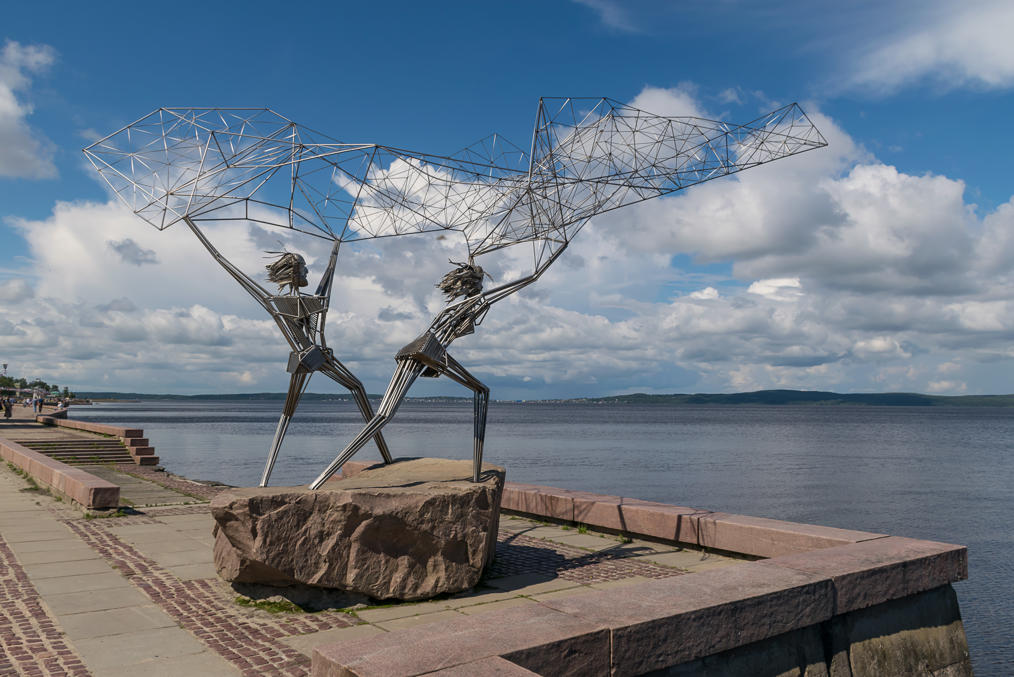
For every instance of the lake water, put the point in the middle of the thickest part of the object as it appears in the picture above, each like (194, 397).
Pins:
(939, 473)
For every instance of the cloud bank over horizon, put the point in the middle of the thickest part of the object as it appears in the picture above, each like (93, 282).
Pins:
(831, 270)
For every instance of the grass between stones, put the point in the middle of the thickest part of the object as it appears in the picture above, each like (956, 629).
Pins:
(23, 474)
(272, 607)
(119, 512)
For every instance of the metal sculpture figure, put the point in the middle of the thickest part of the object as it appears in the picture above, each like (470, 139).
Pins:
(207, 165)
(587, 156)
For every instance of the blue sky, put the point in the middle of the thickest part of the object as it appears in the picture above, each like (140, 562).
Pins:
(882, 264)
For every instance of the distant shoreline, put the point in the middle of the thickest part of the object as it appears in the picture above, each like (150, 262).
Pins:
(760, 397)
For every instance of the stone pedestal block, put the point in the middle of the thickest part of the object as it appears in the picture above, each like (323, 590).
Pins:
(409, 531)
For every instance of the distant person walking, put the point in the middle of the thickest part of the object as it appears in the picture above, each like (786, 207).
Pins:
(7, 407)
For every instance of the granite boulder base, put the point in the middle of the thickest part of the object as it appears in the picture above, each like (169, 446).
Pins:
(409, 531)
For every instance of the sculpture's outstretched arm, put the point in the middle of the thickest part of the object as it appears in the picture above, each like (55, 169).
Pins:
(324, 289)
(259, 293)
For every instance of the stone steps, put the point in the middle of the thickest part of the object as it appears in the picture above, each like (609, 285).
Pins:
(112, 444)
(75, 452)
(132, 439)
(81, 459)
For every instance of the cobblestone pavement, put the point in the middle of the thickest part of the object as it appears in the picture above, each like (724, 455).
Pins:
(31, 643)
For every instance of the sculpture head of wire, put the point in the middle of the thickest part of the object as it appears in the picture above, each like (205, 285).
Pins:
(288, 269)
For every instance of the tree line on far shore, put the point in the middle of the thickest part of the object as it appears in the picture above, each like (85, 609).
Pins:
(760, 397)
(9, 383)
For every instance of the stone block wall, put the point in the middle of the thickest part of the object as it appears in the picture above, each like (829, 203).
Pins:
(921, 634)
(814, 602)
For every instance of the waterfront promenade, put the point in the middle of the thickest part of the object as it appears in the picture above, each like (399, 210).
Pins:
(134, 591)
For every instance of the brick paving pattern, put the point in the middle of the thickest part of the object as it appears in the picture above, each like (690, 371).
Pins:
(30, 641)
(247, 638)
(520, 554)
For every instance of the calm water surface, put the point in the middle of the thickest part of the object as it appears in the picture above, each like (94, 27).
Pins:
(937, 473)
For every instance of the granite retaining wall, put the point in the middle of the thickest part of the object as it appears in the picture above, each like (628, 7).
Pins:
(814, 601)
(64, 480)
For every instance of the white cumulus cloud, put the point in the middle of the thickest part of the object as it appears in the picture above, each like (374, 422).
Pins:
(24, 152)
(949, 44)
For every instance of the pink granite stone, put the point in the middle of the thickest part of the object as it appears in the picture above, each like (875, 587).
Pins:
(353, 468)
(536, 637)
(533, 499)
(486, 667)
(410, 530)
(660, 623)
(657, 520)
(116, 431)
(636, 517)
(74, 483)
(875, 571)
(762, 537)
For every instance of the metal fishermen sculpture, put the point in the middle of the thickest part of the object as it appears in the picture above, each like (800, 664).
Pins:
(587, 157)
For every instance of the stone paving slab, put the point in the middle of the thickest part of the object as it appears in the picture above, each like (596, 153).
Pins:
(414, 621)
(395, 611)
(56, 545)
(78, 602)
(79, 583)
(108, 622)
(204, 664)
(71, 552)
(497, 607)
(133, 648)
(28, 535)
(306, 643)
(94, 565)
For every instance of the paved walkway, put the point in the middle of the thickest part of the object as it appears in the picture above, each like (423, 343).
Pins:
(20, 415)
(138, 594)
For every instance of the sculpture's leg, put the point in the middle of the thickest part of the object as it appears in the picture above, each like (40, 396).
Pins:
(337, 371)
(297, 383)
(481, 406)
(404, 376)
